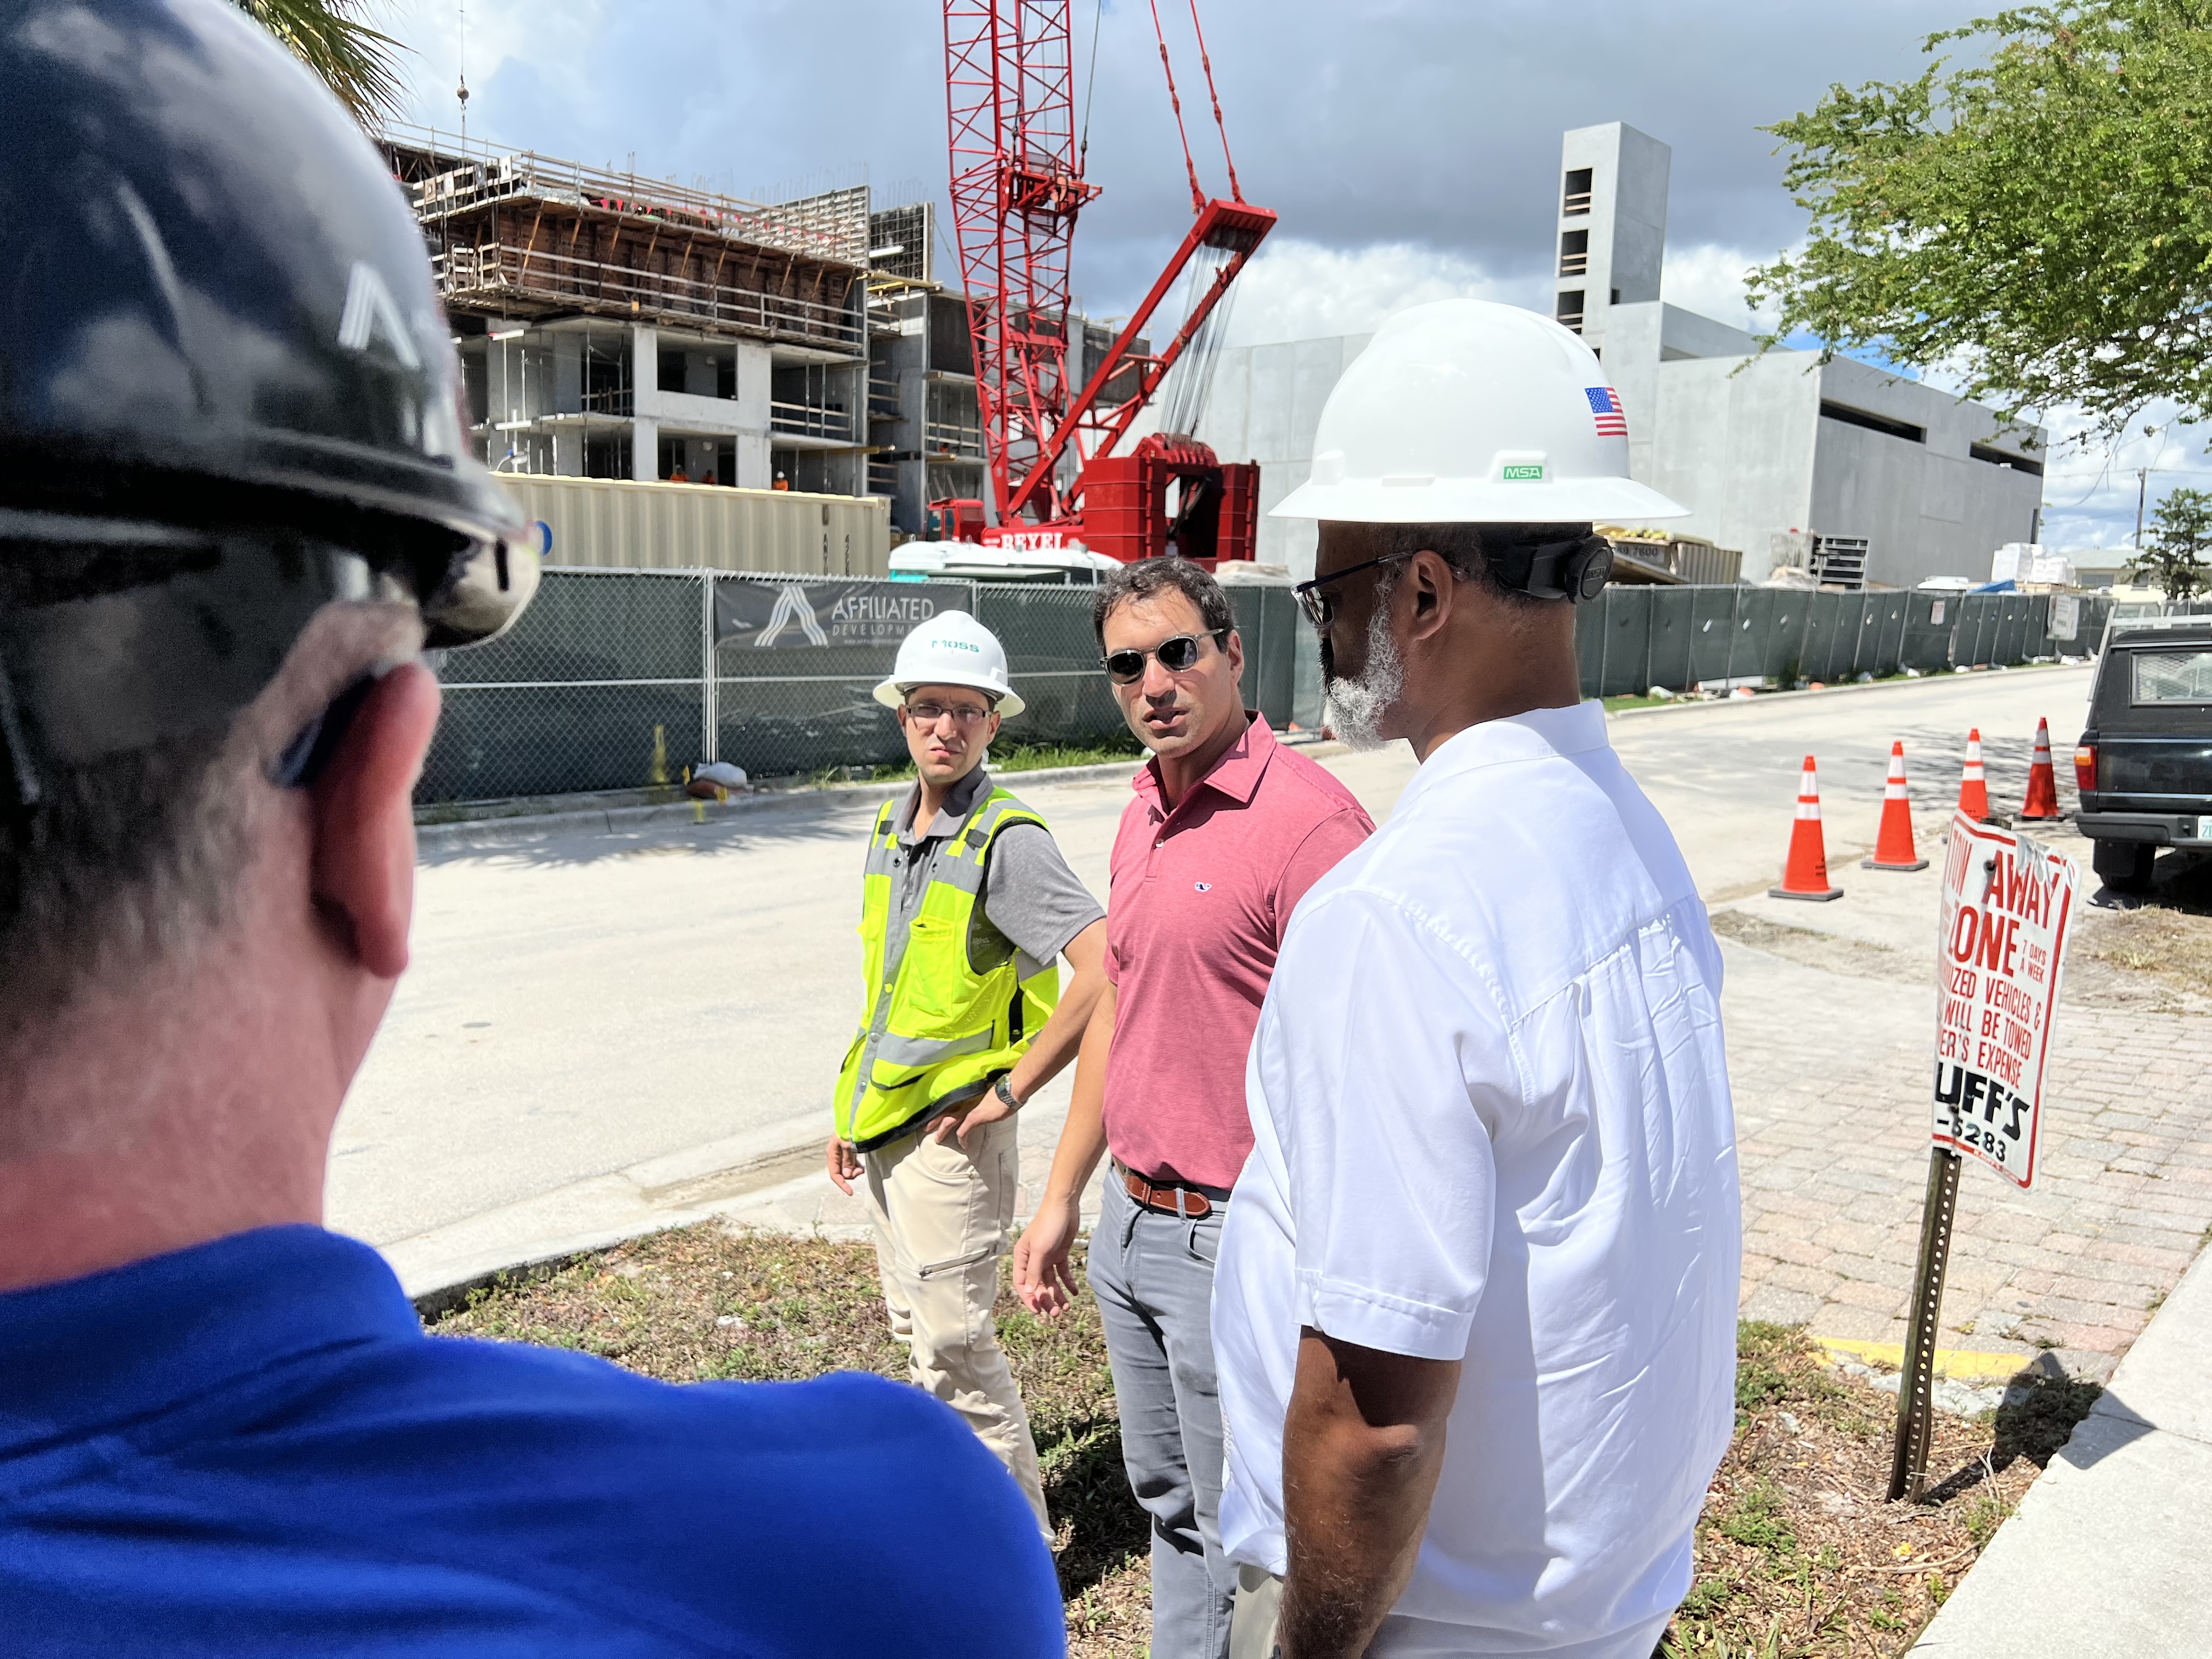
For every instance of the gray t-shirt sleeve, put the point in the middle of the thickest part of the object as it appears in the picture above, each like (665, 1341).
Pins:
(1032, 896)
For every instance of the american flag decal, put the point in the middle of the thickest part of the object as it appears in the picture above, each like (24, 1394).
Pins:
(1605, 409)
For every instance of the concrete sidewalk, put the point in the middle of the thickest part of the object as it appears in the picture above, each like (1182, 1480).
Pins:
(2108, 1552)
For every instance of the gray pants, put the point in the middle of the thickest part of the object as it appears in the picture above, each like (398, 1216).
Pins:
(1153, 1276)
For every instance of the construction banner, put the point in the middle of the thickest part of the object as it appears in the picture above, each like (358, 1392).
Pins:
(2006, 902)
(811, 615)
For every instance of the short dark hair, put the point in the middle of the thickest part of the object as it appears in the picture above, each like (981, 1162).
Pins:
(123, 856)
(126, 859)
(1468, 548)
(1169, 573)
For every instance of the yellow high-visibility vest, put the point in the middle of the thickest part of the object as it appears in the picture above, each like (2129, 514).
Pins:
(956, 1012)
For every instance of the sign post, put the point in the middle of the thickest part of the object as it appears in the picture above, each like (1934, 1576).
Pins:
(2006, 903)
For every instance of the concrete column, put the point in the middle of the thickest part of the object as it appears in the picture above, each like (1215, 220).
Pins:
(567, 372)
(645, 449)
(567, 453)
(645, 369)
(1625, 219)
(753, 470)
(755, 366)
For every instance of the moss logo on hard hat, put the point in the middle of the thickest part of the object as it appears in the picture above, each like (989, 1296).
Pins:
(1524, 472)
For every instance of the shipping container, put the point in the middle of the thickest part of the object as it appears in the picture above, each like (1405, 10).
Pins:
(612, 524)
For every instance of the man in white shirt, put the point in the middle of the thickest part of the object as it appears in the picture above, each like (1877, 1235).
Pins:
(1475, 1311)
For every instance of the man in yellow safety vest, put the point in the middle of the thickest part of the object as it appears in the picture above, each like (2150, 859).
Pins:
(967, 904)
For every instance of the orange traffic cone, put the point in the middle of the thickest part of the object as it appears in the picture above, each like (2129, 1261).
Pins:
(1806, 874)
(1973, 791)
(1892, 843)
(2042, 782)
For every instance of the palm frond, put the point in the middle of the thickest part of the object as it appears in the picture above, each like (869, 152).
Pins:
(358, 63)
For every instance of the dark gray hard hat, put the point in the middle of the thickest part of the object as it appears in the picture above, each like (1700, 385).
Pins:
(228, 390)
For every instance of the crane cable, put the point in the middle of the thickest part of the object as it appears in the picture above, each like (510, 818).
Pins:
(1090, 87)
(1206, 63)
(1197, 196)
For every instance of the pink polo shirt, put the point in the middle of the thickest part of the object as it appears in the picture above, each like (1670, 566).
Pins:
(1200, 900)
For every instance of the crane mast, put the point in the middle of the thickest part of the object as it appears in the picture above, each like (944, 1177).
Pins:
(1017, 189)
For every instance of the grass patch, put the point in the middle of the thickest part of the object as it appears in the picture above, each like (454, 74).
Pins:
(1854, 958)
(2164, 941)
(1797, 1555)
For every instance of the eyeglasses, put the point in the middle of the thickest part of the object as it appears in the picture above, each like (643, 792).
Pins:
(928, 714)
(1320, 607)
(1178, 655)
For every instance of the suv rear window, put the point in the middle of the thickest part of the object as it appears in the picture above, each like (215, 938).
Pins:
(2165, 676)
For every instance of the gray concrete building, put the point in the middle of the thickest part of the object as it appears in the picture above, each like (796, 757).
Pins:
(1861, 475)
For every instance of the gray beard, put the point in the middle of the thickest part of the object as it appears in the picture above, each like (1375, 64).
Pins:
(1356, 708)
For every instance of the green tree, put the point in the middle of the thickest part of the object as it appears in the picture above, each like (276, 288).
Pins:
(2037, 221)
(2180, 536)
(358, 63)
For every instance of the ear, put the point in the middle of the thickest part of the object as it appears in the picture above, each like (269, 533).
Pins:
(364, 818)
(996, 721)
(1234, 650)
(1432, 590)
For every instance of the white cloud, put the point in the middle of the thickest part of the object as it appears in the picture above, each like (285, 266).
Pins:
(555, 40)
(1707, 278)
(1301, 291)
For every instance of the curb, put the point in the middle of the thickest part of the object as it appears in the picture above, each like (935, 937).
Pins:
(612, 820)
(1685, 705)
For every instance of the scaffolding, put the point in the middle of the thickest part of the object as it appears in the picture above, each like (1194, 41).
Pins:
(515, 232)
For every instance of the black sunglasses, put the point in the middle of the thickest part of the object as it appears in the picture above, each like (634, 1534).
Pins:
(1177, 655)
(1320, 607)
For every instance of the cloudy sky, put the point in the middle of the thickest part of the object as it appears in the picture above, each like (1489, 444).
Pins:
(1411, 146)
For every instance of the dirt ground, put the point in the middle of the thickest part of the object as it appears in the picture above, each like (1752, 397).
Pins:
(1798, 1553)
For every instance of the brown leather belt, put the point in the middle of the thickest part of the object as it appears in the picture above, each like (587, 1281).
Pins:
(1188, 1202)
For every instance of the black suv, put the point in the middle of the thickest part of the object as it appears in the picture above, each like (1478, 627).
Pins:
(2145, 763)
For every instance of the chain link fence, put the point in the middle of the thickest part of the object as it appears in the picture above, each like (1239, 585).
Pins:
(615, 679)
(1635, 638)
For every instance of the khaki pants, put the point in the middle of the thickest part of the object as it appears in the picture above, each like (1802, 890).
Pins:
(942, 1215)
(1259, 1605)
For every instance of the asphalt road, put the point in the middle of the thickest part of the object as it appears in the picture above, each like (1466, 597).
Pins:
(678, 1000)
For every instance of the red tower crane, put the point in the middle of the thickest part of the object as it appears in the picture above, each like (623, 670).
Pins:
(1017, 187)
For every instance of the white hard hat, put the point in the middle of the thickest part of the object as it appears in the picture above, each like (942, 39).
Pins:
(952, 648)
(1464, 411)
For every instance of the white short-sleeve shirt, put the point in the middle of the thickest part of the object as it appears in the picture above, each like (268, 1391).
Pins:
(1491, 1123)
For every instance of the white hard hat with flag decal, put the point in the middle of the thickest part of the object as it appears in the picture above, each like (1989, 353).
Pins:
(952, 648)
(1464, 411)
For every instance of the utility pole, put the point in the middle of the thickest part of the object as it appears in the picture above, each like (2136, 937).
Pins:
(2142, 481)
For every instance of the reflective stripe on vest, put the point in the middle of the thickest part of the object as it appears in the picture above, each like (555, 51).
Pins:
(948, 1009)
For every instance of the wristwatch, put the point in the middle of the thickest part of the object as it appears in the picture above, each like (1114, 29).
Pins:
(1005, 1092)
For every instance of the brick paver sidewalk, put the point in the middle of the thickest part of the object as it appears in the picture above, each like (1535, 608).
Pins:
(1831, 1081)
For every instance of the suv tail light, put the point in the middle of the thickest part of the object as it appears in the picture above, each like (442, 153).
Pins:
(2085, 766)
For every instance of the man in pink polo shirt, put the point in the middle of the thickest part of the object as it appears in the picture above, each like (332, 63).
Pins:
(1227, 831)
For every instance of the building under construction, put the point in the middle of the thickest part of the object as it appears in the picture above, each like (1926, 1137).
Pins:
(612, 326)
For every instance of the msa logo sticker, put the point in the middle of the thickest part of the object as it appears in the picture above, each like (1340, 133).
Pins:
(1203, 887)
(370, 310)
(1528, 471)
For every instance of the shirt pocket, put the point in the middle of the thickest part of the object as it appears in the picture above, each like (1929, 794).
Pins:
(935, 985)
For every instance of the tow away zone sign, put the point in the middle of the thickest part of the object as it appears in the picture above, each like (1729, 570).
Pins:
(2005, 901)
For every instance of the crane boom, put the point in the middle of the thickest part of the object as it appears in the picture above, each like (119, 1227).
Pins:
(1017, 188)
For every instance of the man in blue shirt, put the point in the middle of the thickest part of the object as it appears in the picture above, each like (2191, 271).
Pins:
(235, 504)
